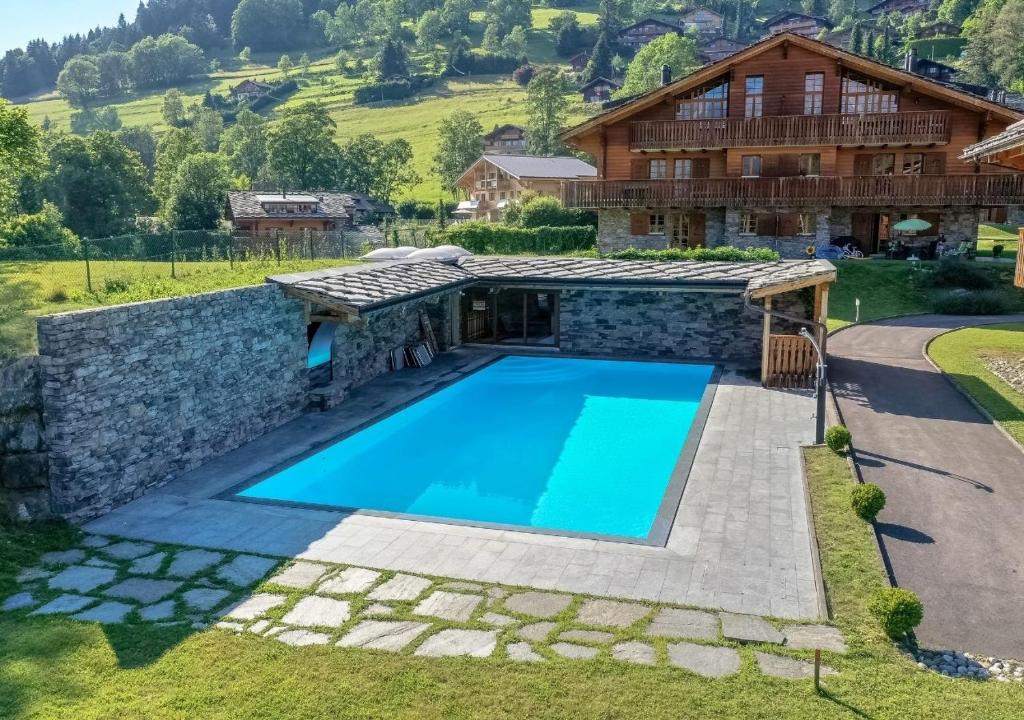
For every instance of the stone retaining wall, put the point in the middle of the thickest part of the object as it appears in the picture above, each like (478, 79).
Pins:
(24, 466)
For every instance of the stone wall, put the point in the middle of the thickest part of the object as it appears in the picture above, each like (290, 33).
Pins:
(613, 231)
(24, 465)
(136, 394)
(789, 248)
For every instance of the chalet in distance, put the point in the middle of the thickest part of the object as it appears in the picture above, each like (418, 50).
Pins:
(493, 181)
(718, 49)
(903, 7)
(798, 23)
(702, 21)
(258, 213)
(250, 90)
(505, 139)
(600, 89)
(640, 33)
(789, 142)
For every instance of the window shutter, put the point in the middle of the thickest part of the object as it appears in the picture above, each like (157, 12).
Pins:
(702, 167)
(789, 225)
(862, 165)
(766, 224)
(640, 170)
(934, 163)
(789, 165)
(696, 235)
(639, 224)
(770, 166)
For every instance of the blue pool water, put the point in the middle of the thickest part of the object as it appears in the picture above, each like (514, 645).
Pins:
(555, 443)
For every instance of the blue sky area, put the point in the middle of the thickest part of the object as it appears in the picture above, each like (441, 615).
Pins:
(24, 20)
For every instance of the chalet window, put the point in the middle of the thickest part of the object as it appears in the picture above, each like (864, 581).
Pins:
(913, 163)
(861, 95)
(751, 166)
(748, 223)
(807, 224)
(680, 231)
(658, 169)
(708, 102)
(754, 106)
(883, 164)
(810, 164)
(684, 169)
(814, 93)
(657, 225)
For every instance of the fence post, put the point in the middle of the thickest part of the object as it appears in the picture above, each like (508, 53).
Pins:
(174, 248)
(231, 254)
(277, 248)
(309, 234)
(88, 269)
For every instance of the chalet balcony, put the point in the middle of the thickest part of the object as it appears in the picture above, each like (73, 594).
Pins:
(929, 127)
(825, 191)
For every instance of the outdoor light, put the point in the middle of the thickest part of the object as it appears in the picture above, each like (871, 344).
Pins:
(819, 389)
(856, 313)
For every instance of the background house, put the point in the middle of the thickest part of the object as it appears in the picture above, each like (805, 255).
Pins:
(599, 89)
(251, 90)
(638, 34)
(793, 22)
(508, 139)
(258, 213)
(495, 180)
(703, 21)
(904, 7)
(578, 62)
(718, 49)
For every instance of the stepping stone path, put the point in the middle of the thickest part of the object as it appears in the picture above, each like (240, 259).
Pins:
(462, 586)
(401, 587)
(30, 574)
(611, 613)
(127, 550)
(448, 605)
(785, 667)
(591, 636)
(258, 627)
(148, 565)
(204, 598)
(497, 619)
(574, 652)
(96, 562)
(316, 611)
(143, 590)
(65, 604)
(538, 604)
(108, 613)
(190, 563)
(634, 652)
(300, 576)
(63, 557)
(95, 541)
(160, 611)
(749, 629)
(350, 581)
(383, 635)
(379, 609)
(447, 643)
(255, 606)
(522, 652)
(682, 623)
(301, 638)
(814, 637)
(713, 662)
(82, 578)
(244, 570)
(537, 631)
(18, 601)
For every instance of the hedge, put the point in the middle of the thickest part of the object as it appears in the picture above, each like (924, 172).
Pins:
(720, 254)
(390, 90)
(278, 94)
(494, 239)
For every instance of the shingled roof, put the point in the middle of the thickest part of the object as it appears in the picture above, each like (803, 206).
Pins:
(249, 205)
(364, 288)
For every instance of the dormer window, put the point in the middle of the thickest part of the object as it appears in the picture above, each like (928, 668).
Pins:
(708, 102)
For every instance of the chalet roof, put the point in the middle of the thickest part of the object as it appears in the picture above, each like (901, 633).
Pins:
(881, 6)
(535, 166)
(1010, 139)
(499, 129)
(650, 21)
(364, 288)
(253, 83)
(249, 205)
(718, 41)
(601, 81)
(851, 60)
(367, 203)
(697, 9)
(783, 16)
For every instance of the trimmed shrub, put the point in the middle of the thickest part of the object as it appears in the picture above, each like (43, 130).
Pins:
(997, 250)
(523, 74)
(390, 89)
(837, 438)
(970, 302)
(954, 273)
(867, 501)
(40, 235)
(899, 611)
(536, 211)
(718, 254)
(491, 238)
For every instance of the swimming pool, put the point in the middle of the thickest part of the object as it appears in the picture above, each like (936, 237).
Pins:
(551, 444)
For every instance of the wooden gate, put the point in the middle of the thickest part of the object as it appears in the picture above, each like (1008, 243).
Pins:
(1018, 279)
(791, 362)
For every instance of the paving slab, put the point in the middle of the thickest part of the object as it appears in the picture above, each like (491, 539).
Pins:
(31, 574)
(316, 611)
(683, 623)
(379, 609)
(463, 586)
(225, 625)
(497, 619)
(63, 557)
(401, 587)
(591, 636)
(108, 613)
(253, 607)
(610, 613)
(301, 638)
(814, 637)
(448, 605)
(18, 601)
(158, 611)
(82, 578)
(143, 590)
(538, 604)
(148, 564)
(749, 629)
(99, 562)
(258, 627)
(300, 576)
(704, 660)
(244, 570)
(786, 667)
(574, 652)
(95, 541)
(471, 643)
(204, 598)
(538, 631)
(64, 604)
(189, 563)
(127, 550)
(522, 652)
(383, 635)
(350, 580)
(634, 652)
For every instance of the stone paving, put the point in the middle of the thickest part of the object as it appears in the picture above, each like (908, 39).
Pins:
(320, 604)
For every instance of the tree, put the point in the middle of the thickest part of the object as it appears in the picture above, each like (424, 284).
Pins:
(429, 30)
(392, 169)
(459, 143)
(856, 36)
(88, 120)
(455, 16)
(42, 229)
(21, 153)
(175, 145)
(506, 14)
(1008, 45)
(644, 72)
(491, 41)
(164, 61)
(304, 63)
(956, 11)
(246, 55)
(79, 81)
(267, 24)
(198, 192)
(569, 36)
(208, 126)
(115, 73)
(173, 108)
(142, 141)
(600, 63)
(285, 65)
(301, 147)
(392, 60)
(546, 107)
(245, 145)
(514, 44)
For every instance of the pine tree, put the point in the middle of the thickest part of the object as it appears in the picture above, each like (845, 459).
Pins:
(856, 37)
(600, 64)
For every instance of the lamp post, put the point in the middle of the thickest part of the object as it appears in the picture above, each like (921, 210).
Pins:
(819, 389)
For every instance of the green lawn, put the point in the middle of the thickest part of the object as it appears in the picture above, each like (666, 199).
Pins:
(960, 355)
(991, 234)
(145, 671)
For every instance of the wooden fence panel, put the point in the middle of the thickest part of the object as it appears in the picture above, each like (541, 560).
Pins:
(1018, 279)
(792, 362)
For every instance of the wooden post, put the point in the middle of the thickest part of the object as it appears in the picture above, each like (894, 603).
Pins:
(766, 341)
(817, 670)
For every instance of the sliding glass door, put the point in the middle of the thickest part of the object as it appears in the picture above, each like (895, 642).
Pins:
(509, 316)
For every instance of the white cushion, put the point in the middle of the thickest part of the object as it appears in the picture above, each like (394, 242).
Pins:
(441, 252)
(396, 253)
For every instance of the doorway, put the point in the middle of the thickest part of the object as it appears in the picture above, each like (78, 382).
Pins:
(510, 316)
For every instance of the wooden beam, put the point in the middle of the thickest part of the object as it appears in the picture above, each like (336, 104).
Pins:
(766, 337)
(792, 285)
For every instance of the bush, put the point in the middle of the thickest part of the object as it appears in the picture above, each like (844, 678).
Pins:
(534, 211)
(718, 254)
(954, 273)
(997, 250)
(837, 438)
(899, 611)
(492, 238)
(406, 209)
(867, 501)
(970, 302)
(523, 74)
(484, 64)
(390, 89)
(40, 235)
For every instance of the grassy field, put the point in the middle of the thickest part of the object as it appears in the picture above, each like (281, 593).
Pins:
(960, 354)
(1005, 235)
(145, 671)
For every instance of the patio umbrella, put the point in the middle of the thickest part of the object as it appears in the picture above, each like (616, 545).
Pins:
(912, 225)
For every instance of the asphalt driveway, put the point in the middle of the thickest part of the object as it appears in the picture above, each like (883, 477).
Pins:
(953, 527)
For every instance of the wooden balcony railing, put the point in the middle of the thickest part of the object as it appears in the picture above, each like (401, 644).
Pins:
(867, 191)
(916, 128)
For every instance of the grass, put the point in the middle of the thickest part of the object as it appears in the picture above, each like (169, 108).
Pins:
(960, 354)
(145, 671)
(993, 234)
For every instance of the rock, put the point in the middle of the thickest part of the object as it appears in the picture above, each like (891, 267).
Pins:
(383, 635)
(785, 667)
(497, 593)
(300, 576)
(590, 636)
(462, 586)
(814, 637)
(97, 562)
(471, 643)
(147, 565)
(82, 578)
(18, 601)
(713, 662)
(611, 613)
(255, 606)
(63, 557)
(352, 580)
(95, 541)
(401, 587)
(301, 638)
(316, 611)
(188, 563)
(574, 652)
(204, 598)
(109, 613)
(143, 590)
(497, 619)
(537, 632)
(244, 570)
(448, 605)
(258, 627)
(682, 623)
(634, 652)
(749, 629)
(159, 611)
(378, 609)
(127, 550)
(522, 652)
(538, 604)
(31, 574)
(64, 604)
